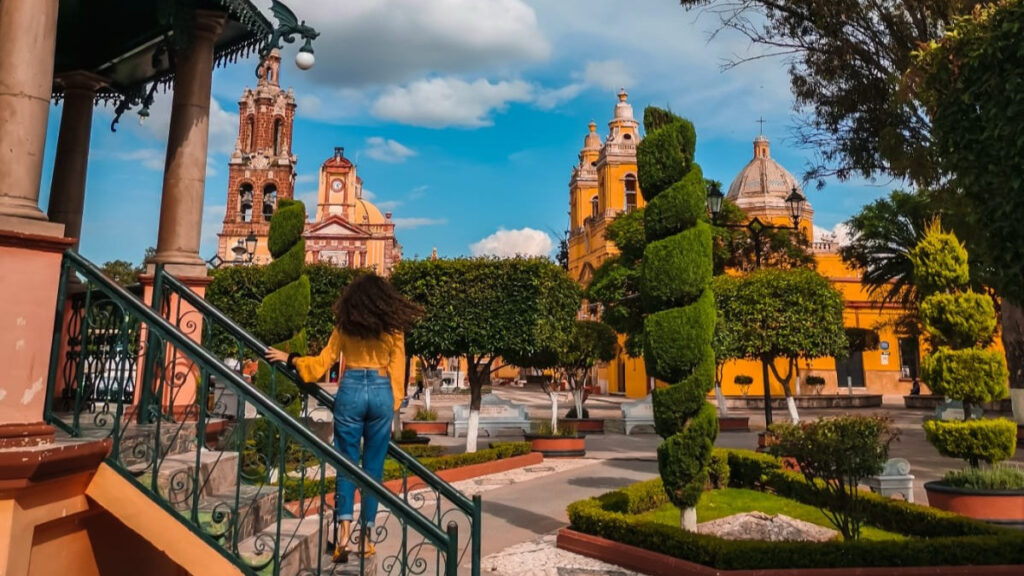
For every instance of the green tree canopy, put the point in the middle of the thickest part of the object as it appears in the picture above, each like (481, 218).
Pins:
(616, 282)
(734, 248)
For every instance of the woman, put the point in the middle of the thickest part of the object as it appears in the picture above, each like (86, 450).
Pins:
(371, 319)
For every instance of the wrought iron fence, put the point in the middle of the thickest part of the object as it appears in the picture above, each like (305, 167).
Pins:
(417, 485)
(254, 483)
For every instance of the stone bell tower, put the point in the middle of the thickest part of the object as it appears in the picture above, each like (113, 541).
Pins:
(262, 168)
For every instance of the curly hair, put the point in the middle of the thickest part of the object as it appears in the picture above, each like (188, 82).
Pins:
(370, 307)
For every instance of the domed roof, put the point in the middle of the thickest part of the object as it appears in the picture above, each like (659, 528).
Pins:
(763, 184)
(366, 213)
(623, 109)
(592, 140)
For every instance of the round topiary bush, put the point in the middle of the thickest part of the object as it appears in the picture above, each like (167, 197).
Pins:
(676, 295)
(282, 314)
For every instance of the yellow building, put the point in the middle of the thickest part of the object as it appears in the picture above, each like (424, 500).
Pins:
(603, 185)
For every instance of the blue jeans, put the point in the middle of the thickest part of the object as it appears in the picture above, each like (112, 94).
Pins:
(363, 408)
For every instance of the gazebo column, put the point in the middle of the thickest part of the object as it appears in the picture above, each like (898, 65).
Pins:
(67, 189)
(181, 206)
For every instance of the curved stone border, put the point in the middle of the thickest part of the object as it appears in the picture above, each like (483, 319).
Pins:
(655, 564)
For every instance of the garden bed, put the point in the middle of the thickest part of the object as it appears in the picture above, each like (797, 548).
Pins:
(933, 401)
(842, 400)
(922, 537)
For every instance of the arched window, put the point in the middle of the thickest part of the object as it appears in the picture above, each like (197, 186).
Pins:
(630, 185)
(277, 137)
(594, 207)
(245, 203)
(251, 136)
(269, 201)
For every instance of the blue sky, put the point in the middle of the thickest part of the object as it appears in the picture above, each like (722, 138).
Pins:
(465, 117)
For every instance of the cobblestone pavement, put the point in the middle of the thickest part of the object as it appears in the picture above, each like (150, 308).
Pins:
(540, 557)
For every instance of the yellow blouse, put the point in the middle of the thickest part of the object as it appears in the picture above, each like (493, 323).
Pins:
(386, 353)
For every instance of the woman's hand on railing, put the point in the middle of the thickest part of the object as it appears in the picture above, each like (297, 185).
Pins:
(275, 355)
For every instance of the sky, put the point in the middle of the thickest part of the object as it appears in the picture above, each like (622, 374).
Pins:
(465, 118)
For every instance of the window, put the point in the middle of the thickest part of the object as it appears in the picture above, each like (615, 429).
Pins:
(269, 201)
(245, 203)
(909, 353)
(630, 192)
(277, 137)
(594, 207)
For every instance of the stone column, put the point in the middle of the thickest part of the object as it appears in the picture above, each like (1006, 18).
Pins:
(28, 41)
(67, 189)
(181, 206)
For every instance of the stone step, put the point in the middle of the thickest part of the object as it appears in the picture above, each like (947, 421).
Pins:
(177, 480)
(302, 542)
(256, 510)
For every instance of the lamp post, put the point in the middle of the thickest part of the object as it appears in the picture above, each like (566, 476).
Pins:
(795, 204)
(245, 250)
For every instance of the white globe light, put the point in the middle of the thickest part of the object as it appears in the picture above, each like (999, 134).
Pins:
(304, 60)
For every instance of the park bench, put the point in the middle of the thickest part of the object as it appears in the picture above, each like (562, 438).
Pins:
(894, 479)
(639, 413)
(495, 414)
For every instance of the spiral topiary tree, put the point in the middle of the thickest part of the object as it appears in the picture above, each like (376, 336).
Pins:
(281, 315)
(959, 323)
(675, 289)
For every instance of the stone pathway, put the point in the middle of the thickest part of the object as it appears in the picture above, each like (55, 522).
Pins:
(540, 557)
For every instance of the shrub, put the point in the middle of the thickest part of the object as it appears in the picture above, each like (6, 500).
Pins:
(743, 379)
(425, 415)
(543, 428)
(748, 469)
(834, 455)
(681, 266)
(718, 470)
(959, 320)
(976, 441)
(994, 478)
(971, 375)
(815, 380)
(421, 451)
(940, 262)
(677, 210)
(678, 339)
(291, 222)
(407, 435)
(665, 155)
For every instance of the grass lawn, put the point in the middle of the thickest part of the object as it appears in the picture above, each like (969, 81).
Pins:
(728, 501)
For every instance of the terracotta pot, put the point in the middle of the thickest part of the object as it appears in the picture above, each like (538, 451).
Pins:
(766, 440)
(558, 446)
(997, 506)
(430, 427)
(734, 424)
(586, 425)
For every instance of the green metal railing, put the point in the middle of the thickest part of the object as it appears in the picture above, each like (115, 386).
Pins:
(254, 483)
(444, 501)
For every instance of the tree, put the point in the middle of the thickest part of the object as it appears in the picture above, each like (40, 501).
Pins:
(237, 292)
(968, 81)
(959, 324)
(675, 293)
(735, 249)
(591, 342)
(834, 455)
(326, 283)
(616, 282)
(769, 314)
(847, 60)
(484, 309)
(121, 271)
(281, 316)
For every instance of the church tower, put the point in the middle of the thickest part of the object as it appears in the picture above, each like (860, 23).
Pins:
(262, 168)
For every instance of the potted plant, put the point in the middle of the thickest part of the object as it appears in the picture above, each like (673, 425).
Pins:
(563, 441)
(408, 437)
(816, 383)
(743, 381)
(959, 324)
(425, 422)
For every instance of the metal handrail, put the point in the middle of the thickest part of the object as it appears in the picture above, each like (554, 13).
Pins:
(446, 540)
(322, 397)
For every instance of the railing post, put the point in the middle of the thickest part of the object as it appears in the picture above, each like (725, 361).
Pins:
(451, 560)
(55, 346)
(152, 354)
(474, 532)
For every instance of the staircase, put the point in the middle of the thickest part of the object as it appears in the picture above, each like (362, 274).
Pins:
(198, 444)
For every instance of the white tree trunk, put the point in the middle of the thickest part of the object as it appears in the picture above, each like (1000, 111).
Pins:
(554, 411)
(1017, 403)
(577, 399)
(723, 410)
(688, 520)
(426, 398)
(473, 427)
(791, 404)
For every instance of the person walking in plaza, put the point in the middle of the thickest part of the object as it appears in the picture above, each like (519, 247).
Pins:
(369, 338)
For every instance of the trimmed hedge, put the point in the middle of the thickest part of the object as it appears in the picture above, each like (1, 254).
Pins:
(941, 539)
(286, 226)
(283, 312)
(679, 339)
(285, 269)
(976, 441)
(971, 375)
(959, 320)
(681, 207)
(680, 267)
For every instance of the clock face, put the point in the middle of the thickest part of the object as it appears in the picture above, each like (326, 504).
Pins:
(337, 185)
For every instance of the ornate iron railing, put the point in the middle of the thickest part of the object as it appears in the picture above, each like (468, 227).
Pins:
(420, 487)
(254, 484)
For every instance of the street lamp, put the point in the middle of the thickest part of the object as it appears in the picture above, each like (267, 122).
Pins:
(250, 245)
(245, 249)
(795, 204)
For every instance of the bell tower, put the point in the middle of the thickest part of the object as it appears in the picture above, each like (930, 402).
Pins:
(261, 170)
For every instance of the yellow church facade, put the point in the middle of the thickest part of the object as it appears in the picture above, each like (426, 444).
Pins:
(604, 184)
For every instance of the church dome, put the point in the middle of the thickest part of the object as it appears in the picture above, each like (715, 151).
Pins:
(366, 213)
(592, 140)
(623, 110)
(763, 185)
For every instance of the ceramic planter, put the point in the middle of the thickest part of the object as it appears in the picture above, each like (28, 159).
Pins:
(997, 506)
(558, 446)
(426, 427)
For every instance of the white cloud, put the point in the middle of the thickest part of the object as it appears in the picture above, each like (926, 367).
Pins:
(839, 234)
(409, 223)
(418, 191)
(510, 243)
(446, 102)
(607, 74)
(387, 150)
(548, 99)
(389, 204)
(306, 178)
(148, 158)
(213, 220)
(366, 42)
